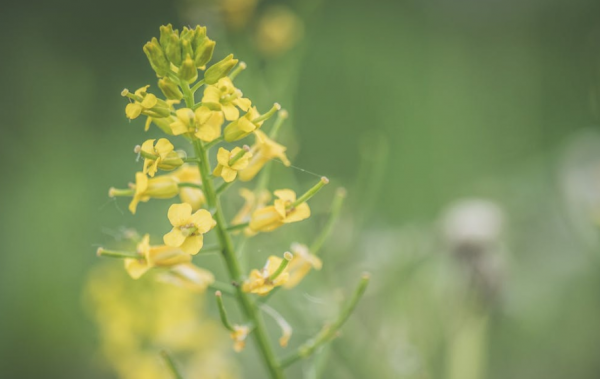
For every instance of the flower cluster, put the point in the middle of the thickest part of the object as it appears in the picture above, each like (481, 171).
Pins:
(203, 108)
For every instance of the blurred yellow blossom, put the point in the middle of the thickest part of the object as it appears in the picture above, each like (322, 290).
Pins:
(188, 228)
(263, 150)
(278, 30)
(273, 274)
(302, 262)
(230, 162)
(239, 334)
(252, 202)
(193, 196)
(153, 256)
(188, 276)
(270, 218)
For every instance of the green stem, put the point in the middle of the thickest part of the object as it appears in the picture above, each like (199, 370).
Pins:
(338, 200)
(190, 160)
(226, 289)
(197, 86)
(223, 312)
(101, 252)
(223, 187)
(213, 142)
(237, 226)
(329, 331)
(171, 365)
(259, 333)
(310, 193)
(287, 257)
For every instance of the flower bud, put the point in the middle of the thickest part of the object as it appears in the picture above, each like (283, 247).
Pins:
(204, 53)
(219, 69)
(199, 37)
(157, 57)
(162, 187)
(188, 70)
(165, 36)
(170, 89)
(173, 49)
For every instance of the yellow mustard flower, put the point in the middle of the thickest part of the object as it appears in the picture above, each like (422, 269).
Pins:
(193, 196)
(224, 97)
(154, 256)
(243, 126)
(162, 187)
(263, 150)
(188, 276)
(278, 30)
(252, 202)
(160, 155)
(300, 265)
(188, 228)
(239, 334)
(261, 282)
(144, 103)
(272, 217)
(230, 162)
(203, 123)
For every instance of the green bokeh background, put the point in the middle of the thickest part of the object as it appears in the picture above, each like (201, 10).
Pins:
(411, 104)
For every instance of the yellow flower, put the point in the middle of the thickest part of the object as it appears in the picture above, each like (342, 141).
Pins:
(224, 97)
(203, 123)
(264, 150)
(193, 196)
(162, 187)
(188, 228)
(278, 30)
(270, 218)
(154, 256)
(252, 202)
(188, 276)
(239, 334)
(159, 155)
(231, 162)
(243, 126)
(302, 262)
(260, 281)
(145, 103)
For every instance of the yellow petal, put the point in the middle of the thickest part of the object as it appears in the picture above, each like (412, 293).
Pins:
(167, 256)
(230, 111)
(133, 110)
(203, 221)
(163, 147)
(174, 238)
(228, 174)
(148, 146)
(286, 195)
(136, 268)
(299, 213)
(266, 219)
(179, 214)
(192, 244)
(223, 157)
(149, 101)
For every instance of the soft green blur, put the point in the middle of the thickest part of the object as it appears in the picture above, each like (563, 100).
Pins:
(410, 105)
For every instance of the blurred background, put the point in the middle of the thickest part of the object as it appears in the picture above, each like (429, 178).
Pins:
(465, 132)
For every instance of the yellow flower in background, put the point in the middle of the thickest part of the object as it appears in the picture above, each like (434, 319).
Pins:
(278, 30)
(184, 121)
(188, 228)
(162, 187)
(300, 265)
(160, 155)
(260, 281)
(243, 126)
(193, 196)
(263, 150)
(239, 334)
(272, 217)
(237, 13)
(224, 97)
(136, 319)
(154, 256)
(230, 162)
(188, 276)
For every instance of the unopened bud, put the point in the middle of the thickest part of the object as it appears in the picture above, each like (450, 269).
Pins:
(219, 69)
(204, 53)
(156, 57)
(173, 50)
(170, 89)
(188, 70)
